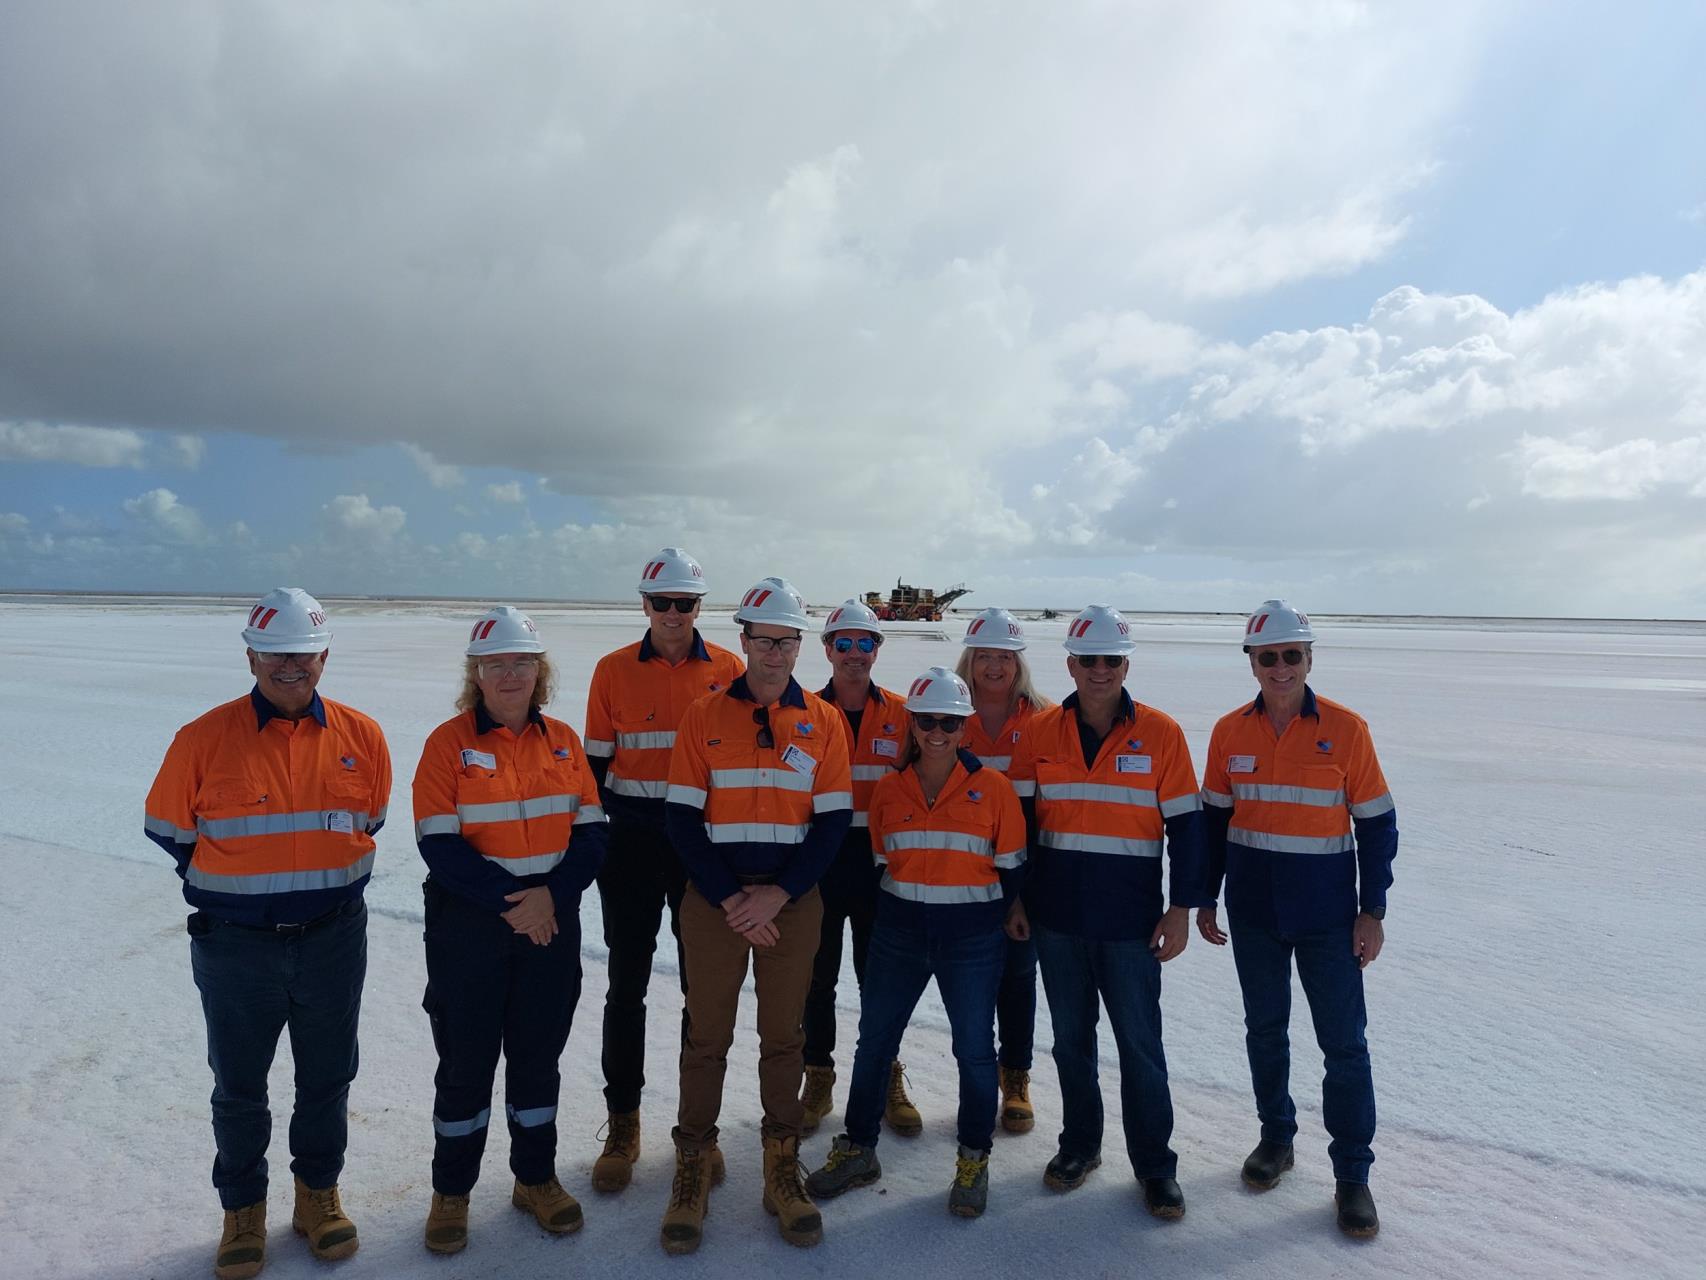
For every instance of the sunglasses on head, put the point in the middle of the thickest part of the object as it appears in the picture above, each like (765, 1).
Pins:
(1272, 657)
(1089, 660)
(761, 718)
(947, 724)
(865, 644)
(681, 604)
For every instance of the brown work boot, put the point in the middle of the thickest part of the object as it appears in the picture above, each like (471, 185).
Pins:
(552, 1207)
(242, 1243)
(614, 1169)
(817, 1097)
(785, 1196)
(689, 1202)
(447, 1224)
(714, 1162)
(320, 1216)
(1016, 1113)
(898, 1111)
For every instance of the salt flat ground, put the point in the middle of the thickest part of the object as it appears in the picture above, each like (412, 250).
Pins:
(1537, 1019)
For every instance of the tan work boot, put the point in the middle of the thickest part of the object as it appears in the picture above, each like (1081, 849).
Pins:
(614, 1169)
(689, 1202)
(898, 1111)
(320, 1216)
(447, 1224)
(817, 1097)
(714, 1162)
(242, 1243)
(1016, 1113)
(552, 1207)
(785, 1195)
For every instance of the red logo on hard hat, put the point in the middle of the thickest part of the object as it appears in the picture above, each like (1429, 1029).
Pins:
(976, 626)
(261, 616)
(482, 629)
(835, 617)
(1079, 628)
(653, 569)
(918, 687)
(755, 598)
(1256, 624)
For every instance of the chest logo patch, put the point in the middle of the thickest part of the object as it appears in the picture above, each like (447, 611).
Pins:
(562, 753)
(348, 762)
(1324, 746)
(974, 795)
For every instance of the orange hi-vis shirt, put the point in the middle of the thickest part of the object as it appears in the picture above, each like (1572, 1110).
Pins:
(633, 707)
(740, 811)
(517, 805)
(272, 820)
(874, 748)
(950, 854)
(997, 752)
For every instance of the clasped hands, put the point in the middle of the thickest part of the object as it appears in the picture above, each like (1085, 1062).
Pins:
(752, 912)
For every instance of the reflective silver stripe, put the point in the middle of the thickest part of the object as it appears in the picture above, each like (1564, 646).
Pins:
(518, 810)
(438, 824)
(861, 819)
(678, 794)
(1100, 792)
(952, 893)
(536, 865)
(880, 859)
(649, 741)
(1010, 860)
(160, 827)
(757, 832)
(1317, 797)
(1024, 787)
(281, 881)
(1100, 844)
(618, 785)
(274, 824)
(1290, 844)
(999, 763)
(958, 841)
(870, 772)
(1181, 804)
(780, 779)
(531, 1117)
(1219, 799)
(832, 801)
(461, 1128)
(1373, 808)
(589, 813)
(377, 818)
(599, 747)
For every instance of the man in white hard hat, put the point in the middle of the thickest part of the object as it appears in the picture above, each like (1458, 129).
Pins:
(637, 698)
(759, 798)
(269, 804)
(1301, 824)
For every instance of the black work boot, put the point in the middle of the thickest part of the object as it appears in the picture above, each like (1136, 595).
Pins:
(1264, 1165)
(1356, 1210)
(1163, 1198)
(1066, 1172)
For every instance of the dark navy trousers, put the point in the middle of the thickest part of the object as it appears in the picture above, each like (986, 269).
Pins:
(849, 892)
(1016, 1005)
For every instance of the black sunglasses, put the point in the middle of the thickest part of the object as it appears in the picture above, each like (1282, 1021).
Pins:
(866, 644)
(761, 718)
(681, 604)
(1271, 657)
(947, 724)
(1089, 660)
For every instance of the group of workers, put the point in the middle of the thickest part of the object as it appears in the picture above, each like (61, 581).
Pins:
(967, 830)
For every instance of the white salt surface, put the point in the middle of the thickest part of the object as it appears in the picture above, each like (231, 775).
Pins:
(1537, 1019)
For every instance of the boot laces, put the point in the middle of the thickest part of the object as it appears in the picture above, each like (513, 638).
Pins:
(897, 1086)
(688, 1173)
(967, 1169)
(325, 1202)
(841, 1153)
(1015, 1083)
(246, 1220)
(787, 1180)
(619, 1134)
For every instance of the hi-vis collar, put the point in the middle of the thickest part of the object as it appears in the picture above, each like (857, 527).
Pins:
(1309, 707)
(792, 696)
(648, 651)
(265, 711)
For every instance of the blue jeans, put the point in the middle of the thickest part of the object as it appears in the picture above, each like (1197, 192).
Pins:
(967, 970)
(1016, 1004)
(254, 983)
(1332, 983)
(1127, 976)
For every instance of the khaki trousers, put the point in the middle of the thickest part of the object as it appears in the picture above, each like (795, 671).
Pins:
(716, 967)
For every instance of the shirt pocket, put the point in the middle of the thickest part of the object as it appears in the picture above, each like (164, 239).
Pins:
(1324, 785)
(230, 796)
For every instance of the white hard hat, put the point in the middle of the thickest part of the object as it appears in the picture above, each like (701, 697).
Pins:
(1276, 622)
(1099, 629)
(994, 629)
(672, 569)
(851, 615)
(287, 620)
(773, 601)
(939, 692)
(504, 629)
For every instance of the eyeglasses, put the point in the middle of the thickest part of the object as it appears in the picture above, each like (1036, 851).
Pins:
(761, 718)
(303, 660)
(1089, 660)
(514, 667)
(765, 644)
(681, 604)
(947, 724)
(1272, 657)
(865, 644)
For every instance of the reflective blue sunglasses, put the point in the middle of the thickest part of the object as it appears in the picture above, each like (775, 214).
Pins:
(867, 644)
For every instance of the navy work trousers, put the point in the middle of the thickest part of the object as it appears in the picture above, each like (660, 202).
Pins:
(254, 983)
(849, 892)
(1016, 1004)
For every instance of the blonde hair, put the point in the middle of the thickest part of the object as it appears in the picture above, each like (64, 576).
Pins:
(544, 688)
(1022, 686)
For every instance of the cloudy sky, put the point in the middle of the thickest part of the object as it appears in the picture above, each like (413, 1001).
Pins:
(1385, 307)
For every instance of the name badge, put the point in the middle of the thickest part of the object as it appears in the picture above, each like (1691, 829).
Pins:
(485, 759)
(341, 821)
(1241, 764)
(888, 748)
(1131, 764)
(798, 760)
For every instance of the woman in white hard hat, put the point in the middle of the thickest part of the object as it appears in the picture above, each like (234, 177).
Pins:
(993, 664)
(950, 835)
(508, 821)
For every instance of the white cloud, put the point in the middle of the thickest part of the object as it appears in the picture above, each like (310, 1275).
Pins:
(188, 451)
(439, 474)
(1566, 470)
(508, 493)
(160, 511)
(356, 514)
(13, 522)
(80, 446)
